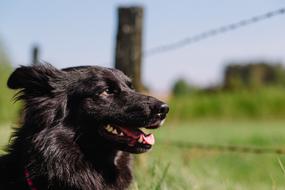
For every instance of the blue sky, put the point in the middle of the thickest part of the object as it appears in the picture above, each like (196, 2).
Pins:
(82, 33)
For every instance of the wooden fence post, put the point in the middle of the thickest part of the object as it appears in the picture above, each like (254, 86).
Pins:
(35, 55)
(129, 43)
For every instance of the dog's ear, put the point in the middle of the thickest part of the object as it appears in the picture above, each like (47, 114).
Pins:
(35, 78)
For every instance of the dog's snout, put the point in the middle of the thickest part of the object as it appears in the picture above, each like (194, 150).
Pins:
(164, 109)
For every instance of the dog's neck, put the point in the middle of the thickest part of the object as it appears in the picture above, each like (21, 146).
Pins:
(52, 164)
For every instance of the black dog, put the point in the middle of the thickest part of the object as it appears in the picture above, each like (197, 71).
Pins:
(79, 125)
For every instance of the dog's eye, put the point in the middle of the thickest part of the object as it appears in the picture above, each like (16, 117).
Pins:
(130, 85)
(107, 92)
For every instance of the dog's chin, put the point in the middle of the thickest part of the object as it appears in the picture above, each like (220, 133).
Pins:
(132, 140)
(136, 149)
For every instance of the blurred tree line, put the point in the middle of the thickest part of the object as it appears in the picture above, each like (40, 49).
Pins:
(249, 91)
(254, 75)
(240, 76)
(8, 110)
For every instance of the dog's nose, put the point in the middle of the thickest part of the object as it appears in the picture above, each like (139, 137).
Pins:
(164, 109)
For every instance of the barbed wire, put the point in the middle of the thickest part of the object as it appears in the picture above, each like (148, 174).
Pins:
(228, 148)
(213, 32)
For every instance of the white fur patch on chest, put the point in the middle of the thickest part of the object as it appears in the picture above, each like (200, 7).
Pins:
(117, 157)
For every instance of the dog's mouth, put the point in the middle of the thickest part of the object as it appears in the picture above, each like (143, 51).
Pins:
(129, 139)
(132, 135)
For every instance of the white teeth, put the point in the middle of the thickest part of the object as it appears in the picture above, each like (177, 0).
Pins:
(109, 128)
(140, 140)
(161, 123)
(145, 130)
(114, 131)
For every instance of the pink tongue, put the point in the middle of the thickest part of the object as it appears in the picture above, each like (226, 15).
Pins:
(132, 133)
(136, 134)
(149, 139)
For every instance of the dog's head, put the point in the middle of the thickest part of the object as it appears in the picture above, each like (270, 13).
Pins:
(98, 103)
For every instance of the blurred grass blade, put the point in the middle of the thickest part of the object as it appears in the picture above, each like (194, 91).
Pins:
(158, 186)
(281, 166)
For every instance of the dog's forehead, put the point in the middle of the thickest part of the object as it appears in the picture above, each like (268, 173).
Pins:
(97, 72)
(118, 74)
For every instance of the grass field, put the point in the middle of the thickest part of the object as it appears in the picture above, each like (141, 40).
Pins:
(173, 168)
(5, 132)
(169, 167)
(265, 103)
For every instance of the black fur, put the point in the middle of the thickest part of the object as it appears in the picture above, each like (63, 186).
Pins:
(60, 141)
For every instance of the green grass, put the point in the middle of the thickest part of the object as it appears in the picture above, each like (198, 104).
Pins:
(263, 103)
(8, 109)
(168, 167)
(212, 169)
(5, 132)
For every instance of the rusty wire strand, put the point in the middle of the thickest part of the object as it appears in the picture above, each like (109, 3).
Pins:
(213, 32)
(226, 148)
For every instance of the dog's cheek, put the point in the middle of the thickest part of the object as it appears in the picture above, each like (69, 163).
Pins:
(94, 107)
